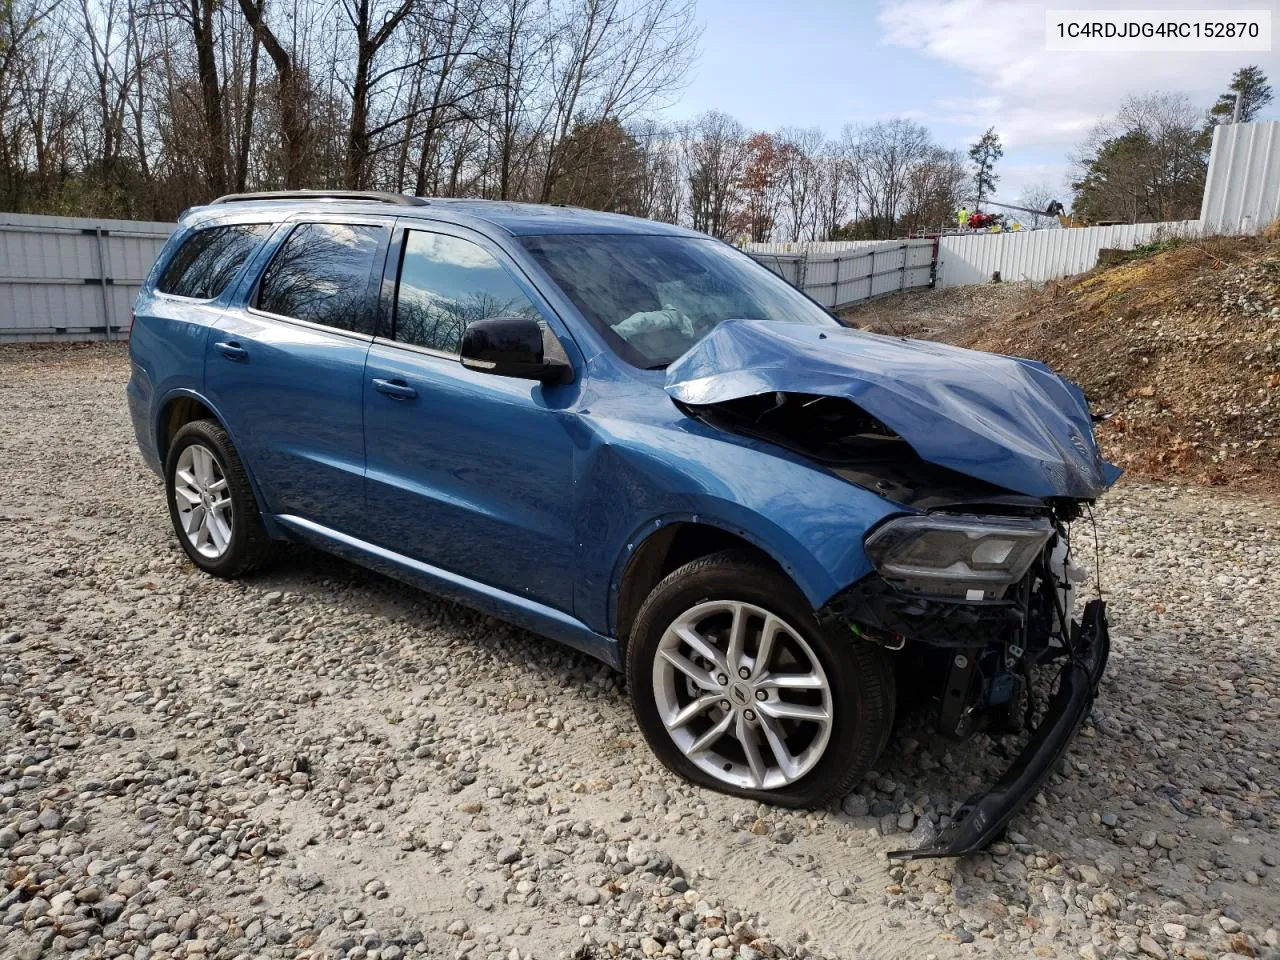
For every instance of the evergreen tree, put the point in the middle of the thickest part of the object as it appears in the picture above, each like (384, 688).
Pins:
(1250, 83)
(984, 155)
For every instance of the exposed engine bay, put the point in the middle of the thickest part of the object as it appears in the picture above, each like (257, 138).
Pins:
(837, 433)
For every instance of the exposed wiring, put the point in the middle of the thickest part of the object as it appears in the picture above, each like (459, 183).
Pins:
(1097, 550)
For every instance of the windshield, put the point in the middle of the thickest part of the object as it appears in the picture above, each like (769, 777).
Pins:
(654, 297)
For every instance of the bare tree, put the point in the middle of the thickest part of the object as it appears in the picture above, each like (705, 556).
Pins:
(290, 91)
(518, 62)
(198, 16)
(837, 184)
(150, 106)
(884, 154)
(1036, 196)
(800, 177)
(661, 194)
(611, 59)
(29, 32)
(109, 51)
(444, 38)
(936, 183)
(715, 154)
(370, 39)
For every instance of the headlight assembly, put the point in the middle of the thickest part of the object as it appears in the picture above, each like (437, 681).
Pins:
(968, 556)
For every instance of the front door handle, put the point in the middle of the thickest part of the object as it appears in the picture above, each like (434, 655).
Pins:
(231, 350)
(395, 389)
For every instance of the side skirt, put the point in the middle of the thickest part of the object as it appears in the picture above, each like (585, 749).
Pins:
(520, 611)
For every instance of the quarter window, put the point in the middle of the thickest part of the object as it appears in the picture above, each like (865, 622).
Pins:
(321, 274)
(445, 283)
(209, 259)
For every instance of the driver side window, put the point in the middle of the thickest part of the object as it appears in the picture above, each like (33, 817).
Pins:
(445, 283)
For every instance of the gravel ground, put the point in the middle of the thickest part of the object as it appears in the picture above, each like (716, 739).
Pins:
(320, 762)
(936, 313)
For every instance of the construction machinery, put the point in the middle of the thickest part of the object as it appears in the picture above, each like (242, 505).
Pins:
(1053, 209)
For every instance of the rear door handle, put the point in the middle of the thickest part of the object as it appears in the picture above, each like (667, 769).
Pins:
(395, 389)
(231, 350)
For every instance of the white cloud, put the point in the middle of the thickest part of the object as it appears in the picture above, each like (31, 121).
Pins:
(1039, 99)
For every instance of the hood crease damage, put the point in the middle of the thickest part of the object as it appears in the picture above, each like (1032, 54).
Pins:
(1008, 422)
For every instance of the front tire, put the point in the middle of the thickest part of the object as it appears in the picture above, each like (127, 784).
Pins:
(211, 504)
(737, 687)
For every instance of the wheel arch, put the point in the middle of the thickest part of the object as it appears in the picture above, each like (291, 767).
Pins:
(669, 542)
(183, 406)
(176, 412)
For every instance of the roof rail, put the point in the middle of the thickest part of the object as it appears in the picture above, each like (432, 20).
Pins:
(369, 196)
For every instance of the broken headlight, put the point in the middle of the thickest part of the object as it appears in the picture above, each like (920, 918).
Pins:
(971, 557)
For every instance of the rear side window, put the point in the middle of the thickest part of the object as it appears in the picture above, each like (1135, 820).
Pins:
(321, 275)
(445, 283)
(209, 259)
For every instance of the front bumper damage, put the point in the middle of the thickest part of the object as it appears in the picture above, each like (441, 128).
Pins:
(983, 817)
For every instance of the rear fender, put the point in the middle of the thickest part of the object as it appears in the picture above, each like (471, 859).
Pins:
(160, 426)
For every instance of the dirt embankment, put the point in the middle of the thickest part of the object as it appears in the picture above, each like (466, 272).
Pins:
(1181, 343)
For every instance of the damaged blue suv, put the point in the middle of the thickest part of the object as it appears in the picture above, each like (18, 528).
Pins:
(633, 439)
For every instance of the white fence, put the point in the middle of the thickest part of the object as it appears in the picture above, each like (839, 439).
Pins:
(817, 246)
(1041, 255)
(842, 273)
(1242, 191)
(67, 278)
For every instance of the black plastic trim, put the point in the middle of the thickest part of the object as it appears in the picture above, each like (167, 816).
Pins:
(953, 622)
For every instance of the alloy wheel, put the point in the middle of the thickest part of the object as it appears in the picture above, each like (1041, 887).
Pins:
(742, 694)
(203, 501)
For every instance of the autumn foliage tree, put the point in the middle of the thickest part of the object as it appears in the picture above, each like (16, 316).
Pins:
(760, 187)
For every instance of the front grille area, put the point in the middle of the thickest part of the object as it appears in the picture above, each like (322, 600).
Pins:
(885, 614)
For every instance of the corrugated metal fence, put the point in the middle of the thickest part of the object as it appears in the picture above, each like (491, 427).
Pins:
(1041, 255)
(67, 278)
(1242, 191)
(842, 273)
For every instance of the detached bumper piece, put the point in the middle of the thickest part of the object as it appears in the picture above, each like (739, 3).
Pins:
(984, 816)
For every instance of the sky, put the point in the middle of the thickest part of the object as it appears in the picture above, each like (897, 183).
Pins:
(957, 66)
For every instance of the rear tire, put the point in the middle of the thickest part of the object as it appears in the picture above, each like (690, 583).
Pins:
(787, 713)
(211, 503)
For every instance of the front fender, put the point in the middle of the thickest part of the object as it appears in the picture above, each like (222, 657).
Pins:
(809, 521)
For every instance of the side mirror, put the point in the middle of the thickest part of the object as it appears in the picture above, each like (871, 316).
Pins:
(508, 347)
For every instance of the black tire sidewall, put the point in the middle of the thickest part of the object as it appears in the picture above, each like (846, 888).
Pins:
(862, 708)
(244, 507)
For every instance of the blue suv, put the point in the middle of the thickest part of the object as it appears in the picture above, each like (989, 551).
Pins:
(633, 439)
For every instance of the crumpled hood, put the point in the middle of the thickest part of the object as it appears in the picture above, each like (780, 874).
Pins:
(1011, 422)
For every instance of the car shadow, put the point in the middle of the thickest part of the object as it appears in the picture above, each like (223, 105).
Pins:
(920, 770)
